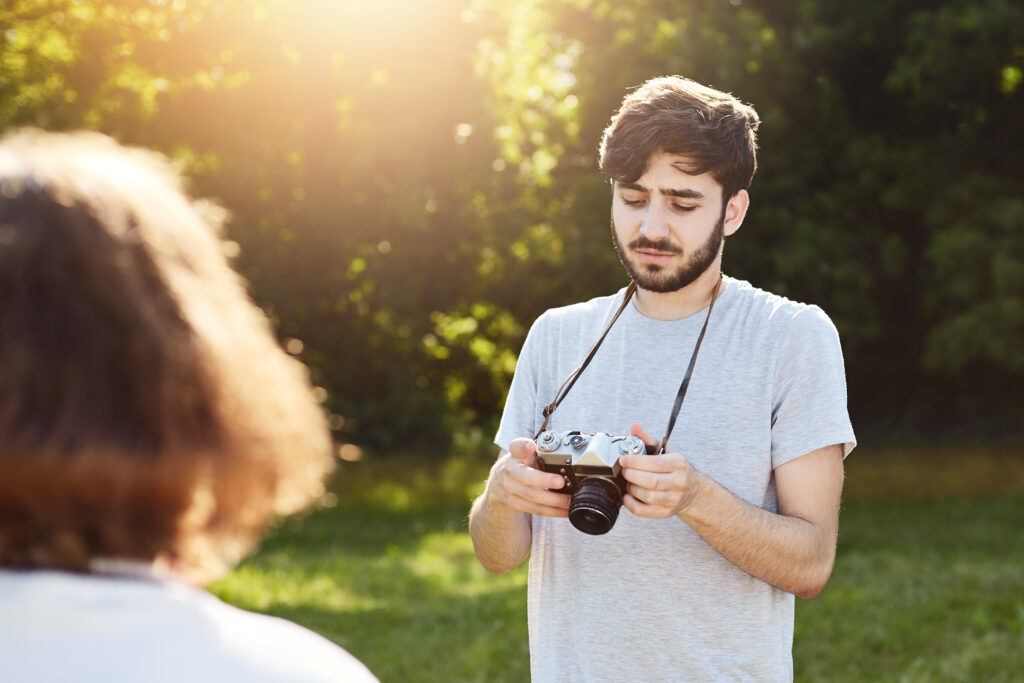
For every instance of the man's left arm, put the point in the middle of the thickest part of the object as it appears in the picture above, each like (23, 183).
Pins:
(793, 550)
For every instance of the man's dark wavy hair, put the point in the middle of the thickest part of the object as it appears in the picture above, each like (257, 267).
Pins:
(715, 131)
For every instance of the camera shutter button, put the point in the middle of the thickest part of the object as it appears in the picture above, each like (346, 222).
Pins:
(631, 445)
(547, 442)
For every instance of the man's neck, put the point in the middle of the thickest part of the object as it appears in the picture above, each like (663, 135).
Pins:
(682, 302)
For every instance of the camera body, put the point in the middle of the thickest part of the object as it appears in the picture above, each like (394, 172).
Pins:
(589, 463)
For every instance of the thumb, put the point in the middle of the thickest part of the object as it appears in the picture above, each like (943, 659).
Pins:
(651, 443)
(523, 450)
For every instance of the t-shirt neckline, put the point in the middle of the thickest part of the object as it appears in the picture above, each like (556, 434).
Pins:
(724, 294)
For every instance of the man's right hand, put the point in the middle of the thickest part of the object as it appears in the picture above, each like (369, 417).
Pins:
(515, 482)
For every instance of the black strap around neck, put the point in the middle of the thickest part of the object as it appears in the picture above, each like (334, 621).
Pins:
(680, 395)
(574, 375)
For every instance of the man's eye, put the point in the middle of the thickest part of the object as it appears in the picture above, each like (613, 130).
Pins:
(633, 202)
(680, 207)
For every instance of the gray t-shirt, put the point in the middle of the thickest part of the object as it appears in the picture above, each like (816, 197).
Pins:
(651, 600)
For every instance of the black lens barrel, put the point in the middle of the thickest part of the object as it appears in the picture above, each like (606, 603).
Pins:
(595, 507)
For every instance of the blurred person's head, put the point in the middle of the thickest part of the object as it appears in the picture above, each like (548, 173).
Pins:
(714, 131)
(146, 412)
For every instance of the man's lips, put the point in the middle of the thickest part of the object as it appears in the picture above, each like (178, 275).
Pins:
(654, 255)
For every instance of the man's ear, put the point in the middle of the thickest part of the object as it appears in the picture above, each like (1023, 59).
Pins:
(735, 210)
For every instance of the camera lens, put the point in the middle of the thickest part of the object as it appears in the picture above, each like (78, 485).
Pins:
(595, 507)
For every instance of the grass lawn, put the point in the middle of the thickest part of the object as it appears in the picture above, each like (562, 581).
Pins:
(928, 584)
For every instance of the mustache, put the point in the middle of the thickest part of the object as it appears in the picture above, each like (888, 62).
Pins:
(642, 242)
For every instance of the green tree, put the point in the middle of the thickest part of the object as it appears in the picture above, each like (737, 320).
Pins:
(413, 183)
(888, 188)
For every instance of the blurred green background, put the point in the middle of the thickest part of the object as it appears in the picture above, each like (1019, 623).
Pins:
(413, 182)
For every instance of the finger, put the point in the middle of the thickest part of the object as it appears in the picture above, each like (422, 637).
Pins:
(654, 481)
(642, 509)
(523, 450)
(527, 475)
(537, 495)
(663, 499)
(637, 430)
(530, 507)
(670, 462)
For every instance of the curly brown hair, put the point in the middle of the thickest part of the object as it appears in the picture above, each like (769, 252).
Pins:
(146, 411)
(713, 129)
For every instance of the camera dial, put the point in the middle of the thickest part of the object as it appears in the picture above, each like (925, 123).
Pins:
(631, 445)
(577, 441)
(547, 442)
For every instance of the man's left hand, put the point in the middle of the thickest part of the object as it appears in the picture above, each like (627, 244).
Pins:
(658, 486)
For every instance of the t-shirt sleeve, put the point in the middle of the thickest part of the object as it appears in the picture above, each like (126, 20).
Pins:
(809, 399)
(522, 414)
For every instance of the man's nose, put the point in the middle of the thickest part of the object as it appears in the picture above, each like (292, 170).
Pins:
(655, 222)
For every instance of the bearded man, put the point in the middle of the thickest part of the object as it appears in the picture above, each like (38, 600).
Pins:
(737, 512)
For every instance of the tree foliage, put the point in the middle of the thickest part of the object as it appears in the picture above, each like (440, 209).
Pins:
(412, 183)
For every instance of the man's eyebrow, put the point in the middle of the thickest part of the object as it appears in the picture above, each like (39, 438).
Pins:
(632, 186)
(685, 193)
(682, 194)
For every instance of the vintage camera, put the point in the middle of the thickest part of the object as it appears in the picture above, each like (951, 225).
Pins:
(590, 465)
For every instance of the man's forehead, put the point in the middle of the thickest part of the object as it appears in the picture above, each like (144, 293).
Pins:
(674, 174)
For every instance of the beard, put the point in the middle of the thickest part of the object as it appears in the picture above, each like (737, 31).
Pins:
(655, 278)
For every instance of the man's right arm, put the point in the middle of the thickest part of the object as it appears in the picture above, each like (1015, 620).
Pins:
(499, 522)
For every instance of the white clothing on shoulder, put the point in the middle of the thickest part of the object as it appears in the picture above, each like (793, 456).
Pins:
(69, 628)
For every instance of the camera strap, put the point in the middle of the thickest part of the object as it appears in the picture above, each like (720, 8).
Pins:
(689, 370)
(680, 395)
(574, 375)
